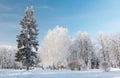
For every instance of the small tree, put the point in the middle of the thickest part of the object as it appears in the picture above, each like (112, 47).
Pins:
(105, 66)
(27, 43)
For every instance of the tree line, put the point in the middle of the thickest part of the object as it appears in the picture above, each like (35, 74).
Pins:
(59, 50)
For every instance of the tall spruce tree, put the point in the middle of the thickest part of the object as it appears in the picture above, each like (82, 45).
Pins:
(27, 40)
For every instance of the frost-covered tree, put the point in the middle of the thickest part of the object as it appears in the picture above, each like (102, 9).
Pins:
(115, 50)
(82, 50)
(109, 48)
(27, 40)
(54, 49)
(7, 59)
(104, 47)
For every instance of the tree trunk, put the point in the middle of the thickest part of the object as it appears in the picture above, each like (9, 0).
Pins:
(27, 68)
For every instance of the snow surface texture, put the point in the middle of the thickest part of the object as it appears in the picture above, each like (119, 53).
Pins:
(39, 73)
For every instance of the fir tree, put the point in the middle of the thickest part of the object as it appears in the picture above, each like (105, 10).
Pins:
(27, 40)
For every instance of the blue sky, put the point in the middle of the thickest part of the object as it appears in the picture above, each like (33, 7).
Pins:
(92, 16)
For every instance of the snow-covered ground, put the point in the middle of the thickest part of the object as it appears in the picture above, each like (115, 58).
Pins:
(39, 73)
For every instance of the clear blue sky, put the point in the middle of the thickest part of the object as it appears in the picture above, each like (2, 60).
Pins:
(92, 16)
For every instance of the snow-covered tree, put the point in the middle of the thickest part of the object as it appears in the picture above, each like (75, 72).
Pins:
(7, 59)
(115, 50)
(82, 50)
(54, 49)
(27, 40)
(104, 46)
(109, 48)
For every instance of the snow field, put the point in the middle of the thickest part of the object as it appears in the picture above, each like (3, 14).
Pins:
(39, 73)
